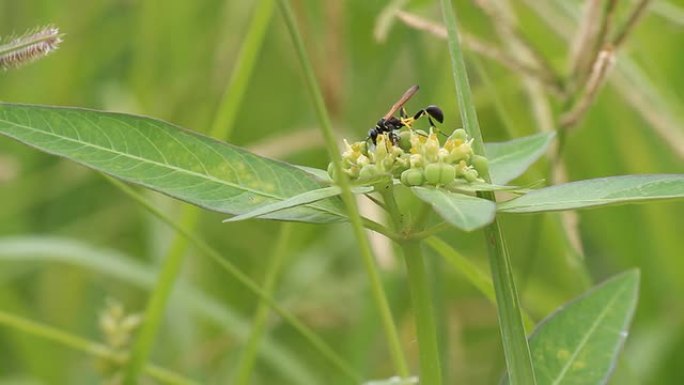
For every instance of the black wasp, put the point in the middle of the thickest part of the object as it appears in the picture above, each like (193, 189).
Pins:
(390, 123)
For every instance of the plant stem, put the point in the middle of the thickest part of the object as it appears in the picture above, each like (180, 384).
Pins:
(429, 357)
(273, 271)
(516, 349)
(222, 125)
(224, 119)
(157, 303)
(348, 198)
(242, 278)
(430, 368)
(98, 350)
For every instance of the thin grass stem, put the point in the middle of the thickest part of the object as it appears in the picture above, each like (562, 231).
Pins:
(377, 289)
(93, 348)
(632, 21)
(516, 349)
(156, 305)
(204, 248)
(274, 269)
(221, 128)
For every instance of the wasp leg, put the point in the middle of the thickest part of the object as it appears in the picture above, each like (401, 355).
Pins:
(394, 138)
(405, 119)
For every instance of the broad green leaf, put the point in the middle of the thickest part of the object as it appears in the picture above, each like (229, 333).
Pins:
(463, 211)
(508, 160)
(580, 342)
(168, 159)
(297, 200)
(598, 192)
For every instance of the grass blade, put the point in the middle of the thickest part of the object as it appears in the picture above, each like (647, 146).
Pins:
(516, 349)
(347, 196)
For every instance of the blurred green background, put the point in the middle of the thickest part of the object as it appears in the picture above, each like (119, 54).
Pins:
(172, 59)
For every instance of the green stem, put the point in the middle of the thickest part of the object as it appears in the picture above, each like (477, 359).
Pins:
(273, 271)
(429, 357)
(430, 231)
(157, 302)
(224, 120)
(380, 229)
(430, 368)
(98, 350)
(147, 51)
(223, 123)
(516, 349)
(470, 272)
(348, 198)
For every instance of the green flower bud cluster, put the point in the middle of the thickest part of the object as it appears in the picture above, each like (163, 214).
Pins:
(418, 159)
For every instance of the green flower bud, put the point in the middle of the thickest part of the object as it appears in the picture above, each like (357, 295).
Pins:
(404, 161)
(470, 174)
(448, 174)
(416, 160)
(361, 147)
(386, 164)
(368, 171)
(400, 165)
(459, 134)
(405, 140)
(382, 144)
(412, 177)
(431, 148)
(461, 167)
(362, 160)
(461, 152)
(480, 163)
(440, 173)
(416, 143)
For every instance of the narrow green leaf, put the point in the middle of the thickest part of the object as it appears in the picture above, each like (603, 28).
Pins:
(580, 342)
(513, 338)
(393, 381)
(463, 211)
(168, 159)
(475, 187)
(598, 192)
(297, 200)
(508, 160)
(318, 174)
(464, 266)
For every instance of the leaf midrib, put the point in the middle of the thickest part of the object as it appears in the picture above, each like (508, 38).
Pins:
(152, 162)
(586, 336)
(507, 207)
